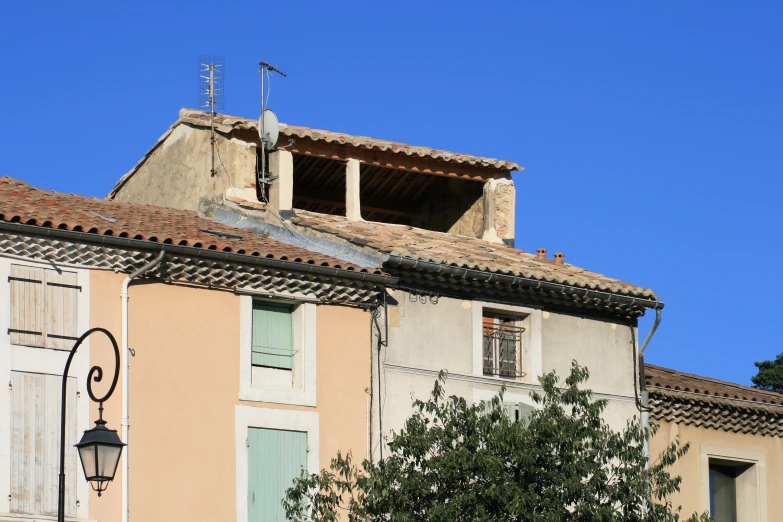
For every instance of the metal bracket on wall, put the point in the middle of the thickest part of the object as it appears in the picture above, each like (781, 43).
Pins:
(421, 296)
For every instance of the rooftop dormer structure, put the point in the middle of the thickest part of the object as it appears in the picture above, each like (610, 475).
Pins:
(326, 172)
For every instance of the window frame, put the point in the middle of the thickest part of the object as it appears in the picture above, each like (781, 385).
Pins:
(36, 359)
(52, 280)
(755, 461)
(529, 356)
(301, 392)
(246, 417)
(498, 335)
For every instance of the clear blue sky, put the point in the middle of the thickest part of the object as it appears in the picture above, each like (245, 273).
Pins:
(650, 134)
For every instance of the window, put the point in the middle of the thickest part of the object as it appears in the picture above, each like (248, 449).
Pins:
(35, 444)
(275, 459)
(43, 307)
(518, 411)
(273, 336)
(502, 343)
(733, 490)
(277, 361)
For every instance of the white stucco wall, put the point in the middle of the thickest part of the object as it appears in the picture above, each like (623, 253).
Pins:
(424, 338)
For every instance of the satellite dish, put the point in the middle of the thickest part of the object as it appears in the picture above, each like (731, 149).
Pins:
(271, 129)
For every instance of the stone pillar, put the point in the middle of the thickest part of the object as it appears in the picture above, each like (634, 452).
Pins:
(281, 191)
(353, 207)
(499, 201)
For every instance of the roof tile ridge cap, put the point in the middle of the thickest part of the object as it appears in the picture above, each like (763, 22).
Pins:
(738, 387)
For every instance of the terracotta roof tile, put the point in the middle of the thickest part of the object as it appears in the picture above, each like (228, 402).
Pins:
(693, 400)
(21, 203)
(665, 378)
(227, 123)
(461, 251)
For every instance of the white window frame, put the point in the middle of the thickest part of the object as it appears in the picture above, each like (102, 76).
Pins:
(740, 456)
(50, 361)
(533, 320)
(247, 417)
(304, 324)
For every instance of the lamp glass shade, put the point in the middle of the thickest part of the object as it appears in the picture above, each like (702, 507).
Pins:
(108, 458)
(99, 451)
(87, 456)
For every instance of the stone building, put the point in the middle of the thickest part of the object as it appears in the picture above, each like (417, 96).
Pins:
(442, 223)
(734, 468)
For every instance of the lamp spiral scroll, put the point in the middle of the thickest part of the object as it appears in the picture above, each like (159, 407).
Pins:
(100, 447)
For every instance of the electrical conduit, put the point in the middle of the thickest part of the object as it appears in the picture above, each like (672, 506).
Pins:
(125, 363)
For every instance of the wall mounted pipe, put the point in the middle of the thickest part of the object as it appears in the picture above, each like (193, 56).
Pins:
(124, 351)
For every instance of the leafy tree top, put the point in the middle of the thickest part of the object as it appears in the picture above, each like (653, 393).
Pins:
(770, 375)
(458, 461)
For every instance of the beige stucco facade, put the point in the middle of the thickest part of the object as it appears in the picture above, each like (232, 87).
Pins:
(762, 501)
(184, 393)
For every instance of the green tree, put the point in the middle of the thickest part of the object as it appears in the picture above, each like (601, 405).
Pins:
(770, 375)
(456, 461)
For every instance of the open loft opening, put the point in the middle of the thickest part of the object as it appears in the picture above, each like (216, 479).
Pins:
(386, 195)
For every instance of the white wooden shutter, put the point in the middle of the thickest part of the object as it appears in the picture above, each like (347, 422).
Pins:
(35, 444)
(61, 303)
(27, 306)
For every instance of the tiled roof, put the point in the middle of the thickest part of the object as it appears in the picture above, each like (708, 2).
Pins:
(693, 400)
(687, 382)
(228, 123)
(462, 252)
(21, 203)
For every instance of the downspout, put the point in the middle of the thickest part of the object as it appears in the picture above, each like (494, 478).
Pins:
(645, 409)
(124, 351)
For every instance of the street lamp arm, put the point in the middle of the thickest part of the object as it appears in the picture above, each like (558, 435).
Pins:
(95, 375)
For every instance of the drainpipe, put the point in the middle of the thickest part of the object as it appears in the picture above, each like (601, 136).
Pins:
(645, 394)
(125, 380)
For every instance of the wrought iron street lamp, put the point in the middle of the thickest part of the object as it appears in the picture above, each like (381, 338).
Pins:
(100, 447)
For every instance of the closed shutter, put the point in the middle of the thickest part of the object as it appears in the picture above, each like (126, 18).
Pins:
(27, 306)
(276, 458)
(518, 411)
(61, 298)
(272, 336)
(35, 444)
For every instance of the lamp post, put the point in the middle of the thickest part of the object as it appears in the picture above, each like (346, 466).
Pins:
(100, 447)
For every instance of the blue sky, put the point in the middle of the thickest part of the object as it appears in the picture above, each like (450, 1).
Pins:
(650, 133)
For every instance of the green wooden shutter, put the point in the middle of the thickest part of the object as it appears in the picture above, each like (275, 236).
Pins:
(276, 458)
(273, 343)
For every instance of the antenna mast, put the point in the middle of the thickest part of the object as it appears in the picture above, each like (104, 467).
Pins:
(265, 69)
(211, 79)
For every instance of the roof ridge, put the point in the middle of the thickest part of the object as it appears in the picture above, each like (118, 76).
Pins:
(712, 380)
(199, 117)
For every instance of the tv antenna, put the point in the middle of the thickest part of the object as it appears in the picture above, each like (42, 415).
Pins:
(268, 128)
(211, 79)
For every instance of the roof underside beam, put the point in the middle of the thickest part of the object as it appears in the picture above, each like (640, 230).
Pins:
(396, 161)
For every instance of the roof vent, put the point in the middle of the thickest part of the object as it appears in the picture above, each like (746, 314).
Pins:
(541, 253)
(559, 258)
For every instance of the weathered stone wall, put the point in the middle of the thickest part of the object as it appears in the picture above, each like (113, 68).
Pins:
(177, 173)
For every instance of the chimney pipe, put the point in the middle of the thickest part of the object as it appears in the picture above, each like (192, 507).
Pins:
(559, 258)
(541, 253)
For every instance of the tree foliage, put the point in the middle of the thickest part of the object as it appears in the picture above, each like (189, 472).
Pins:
(770, 375)
(457, 461)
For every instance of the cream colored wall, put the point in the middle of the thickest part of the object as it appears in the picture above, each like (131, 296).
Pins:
(184, 386)
(690, 467)
(177, 173)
